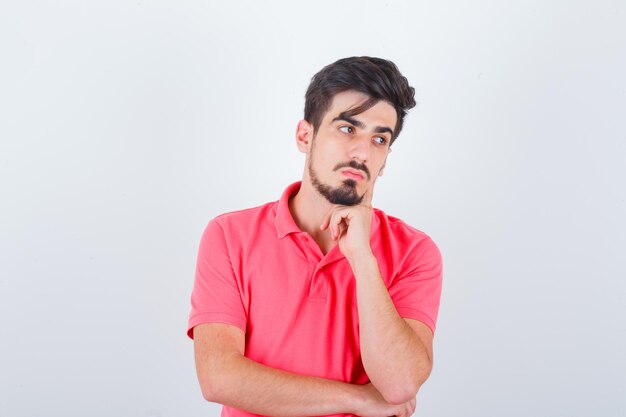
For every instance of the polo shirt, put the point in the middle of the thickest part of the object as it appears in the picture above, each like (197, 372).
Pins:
(258, 271)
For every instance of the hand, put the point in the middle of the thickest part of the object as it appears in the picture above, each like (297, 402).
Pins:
(350, 226)
(373, 404)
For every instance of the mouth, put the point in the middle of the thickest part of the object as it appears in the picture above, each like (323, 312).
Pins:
(353, 174)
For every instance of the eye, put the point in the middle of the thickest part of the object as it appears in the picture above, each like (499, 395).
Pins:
(380, 140)
(347, 129)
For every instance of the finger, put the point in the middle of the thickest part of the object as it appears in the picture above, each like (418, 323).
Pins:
(336, 219)
(408, 409)
(326, 220)
(405, 410)
(329, 224)
(338, 229)
(342, 228)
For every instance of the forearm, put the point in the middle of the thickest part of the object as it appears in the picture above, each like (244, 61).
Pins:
(393, 356)
(247, 385)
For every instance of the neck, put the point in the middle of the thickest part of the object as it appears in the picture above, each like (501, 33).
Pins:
(308, 209)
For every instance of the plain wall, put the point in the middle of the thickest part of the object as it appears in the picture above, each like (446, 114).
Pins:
(126, 126)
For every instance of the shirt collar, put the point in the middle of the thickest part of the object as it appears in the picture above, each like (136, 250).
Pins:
(284, 221)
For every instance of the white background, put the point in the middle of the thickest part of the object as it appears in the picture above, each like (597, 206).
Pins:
(126, 126)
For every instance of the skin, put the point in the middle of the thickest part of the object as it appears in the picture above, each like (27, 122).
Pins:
(396, 352)
(227, 377)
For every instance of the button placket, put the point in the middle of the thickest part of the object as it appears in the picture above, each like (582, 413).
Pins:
(319, 285)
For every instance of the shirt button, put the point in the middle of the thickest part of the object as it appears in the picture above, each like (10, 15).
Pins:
(305, 239)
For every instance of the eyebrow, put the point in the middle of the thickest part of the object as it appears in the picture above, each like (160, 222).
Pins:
(360, 125)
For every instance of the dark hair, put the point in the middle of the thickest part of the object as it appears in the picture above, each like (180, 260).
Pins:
(378, 78)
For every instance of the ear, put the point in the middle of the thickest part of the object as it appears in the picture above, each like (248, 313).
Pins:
(304, 135)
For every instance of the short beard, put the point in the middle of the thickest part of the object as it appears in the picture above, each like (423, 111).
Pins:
(344, 195)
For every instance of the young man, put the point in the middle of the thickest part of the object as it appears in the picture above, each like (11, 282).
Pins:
(318, 304)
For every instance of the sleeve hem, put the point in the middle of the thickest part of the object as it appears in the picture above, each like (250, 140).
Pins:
(410, 313)
(215, 318)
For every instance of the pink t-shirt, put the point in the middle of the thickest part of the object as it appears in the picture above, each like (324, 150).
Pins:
(297, 307)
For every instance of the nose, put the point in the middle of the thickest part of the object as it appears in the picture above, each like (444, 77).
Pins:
(360, 148)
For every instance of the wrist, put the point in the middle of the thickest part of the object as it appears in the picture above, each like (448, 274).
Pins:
(356, 399)
(361, 257)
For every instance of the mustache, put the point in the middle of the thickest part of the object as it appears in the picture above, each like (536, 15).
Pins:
(354, 165)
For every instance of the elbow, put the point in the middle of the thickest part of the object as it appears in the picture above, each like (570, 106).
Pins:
(210, 393)
(217, 389)
(404, 392)
(398, 398)
(210, 390)
(215, 382)
(400, 395)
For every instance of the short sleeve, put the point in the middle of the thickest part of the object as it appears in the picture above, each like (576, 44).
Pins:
(416, 290)
(215, 297)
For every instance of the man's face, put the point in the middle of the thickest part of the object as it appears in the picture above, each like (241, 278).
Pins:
(348, 153)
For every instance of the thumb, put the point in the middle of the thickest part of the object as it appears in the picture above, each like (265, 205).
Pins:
(326, 221)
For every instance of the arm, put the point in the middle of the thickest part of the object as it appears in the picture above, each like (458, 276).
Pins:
(396, 352)
(226, 376)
